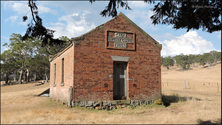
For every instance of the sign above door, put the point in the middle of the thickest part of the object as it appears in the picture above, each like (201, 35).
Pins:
(116, 39)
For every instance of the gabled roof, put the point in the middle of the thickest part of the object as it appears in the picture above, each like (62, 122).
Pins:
(125, 17)
(76, 39)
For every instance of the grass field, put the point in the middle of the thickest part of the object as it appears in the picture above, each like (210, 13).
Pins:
(19, 105)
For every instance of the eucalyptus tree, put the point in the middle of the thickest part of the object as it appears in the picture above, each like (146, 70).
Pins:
(21, 50)
(9, 65)
(50, 50)
(216, 55)
(182, 61)
(168, 61)
(206, 58)
(197, 59)
(191, 59)
(39, 63)
(55, 48)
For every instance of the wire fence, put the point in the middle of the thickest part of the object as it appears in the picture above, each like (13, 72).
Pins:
(192, 84)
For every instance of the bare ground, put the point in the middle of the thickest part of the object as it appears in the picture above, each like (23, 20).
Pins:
(19, 105)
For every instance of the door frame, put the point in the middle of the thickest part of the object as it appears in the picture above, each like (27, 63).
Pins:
(123, 59)
(125, 82)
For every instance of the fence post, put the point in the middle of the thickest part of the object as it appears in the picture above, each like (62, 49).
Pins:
(184, 84)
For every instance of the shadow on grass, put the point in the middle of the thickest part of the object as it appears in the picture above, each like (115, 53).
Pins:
(201, 122)
(168, 99)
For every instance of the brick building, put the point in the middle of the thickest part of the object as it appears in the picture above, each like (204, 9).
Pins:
(114, 61)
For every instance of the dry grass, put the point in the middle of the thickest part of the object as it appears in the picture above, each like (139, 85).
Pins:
(18, 105)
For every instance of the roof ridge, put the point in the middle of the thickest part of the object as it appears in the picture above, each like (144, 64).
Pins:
(124, 16)
(134, 24)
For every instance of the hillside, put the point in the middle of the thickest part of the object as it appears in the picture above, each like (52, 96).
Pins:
(198, 74)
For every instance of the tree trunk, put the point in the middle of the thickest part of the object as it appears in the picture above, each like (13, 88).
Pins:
(35, 77)
(216, 61)
(27, 75)
(181, 68)
(14, 76)
(24, 76)
(46, 78)
(20, 77)
(6, 79)
(209, 65)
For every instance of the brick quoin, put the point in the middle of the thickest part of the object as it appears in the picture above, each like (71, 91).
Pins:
(89, 67)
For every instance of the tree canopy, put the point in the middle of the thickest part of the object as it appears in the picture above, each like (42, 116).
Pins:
(182, 14)
(27, 58)
(185, 61)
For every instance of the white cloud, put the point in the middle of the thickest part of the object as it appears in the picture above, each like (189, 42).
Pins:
(22, 7)
(75, 25)
(43, 9)
(137, 4)
(12, 19)
(144, 17)
(189, 43)
(163, 36)
(169, 26)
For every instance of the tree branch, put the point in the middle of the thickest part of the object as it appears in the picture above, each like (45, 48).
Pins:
(32, 10)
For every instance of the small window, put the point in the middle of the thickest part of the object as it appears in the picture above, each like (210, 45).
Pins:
(63, 70)
(55, 73)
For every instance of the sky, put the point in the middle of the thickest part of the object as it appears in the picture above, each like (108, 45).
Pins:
(74, 18)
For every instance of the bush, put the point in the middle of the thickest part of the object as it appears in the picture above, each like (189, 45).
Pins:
(158, 102)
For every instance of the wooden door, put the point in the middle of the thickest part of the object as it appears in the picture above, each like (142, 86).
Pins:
(119, 80)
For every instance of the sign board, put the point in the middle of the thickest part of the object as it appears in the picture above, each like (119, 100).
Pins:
(120, 45)
(120, 40)
(116, 34)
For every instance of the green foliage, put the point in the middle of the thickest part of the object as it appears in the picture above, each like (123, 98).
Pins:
(8, 64)
(55, 48)
(191, 60)
(186, 60)
(188, 66)
(182, 60)
(27, 56)
(216, 55)
(206, 58)
(166, 62)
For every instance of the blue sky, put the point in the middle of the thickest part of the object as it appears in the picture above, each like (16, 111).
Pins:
(74, 18)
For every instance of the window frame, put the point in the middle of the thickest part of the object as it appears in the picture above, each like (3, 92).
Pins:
(63, 72)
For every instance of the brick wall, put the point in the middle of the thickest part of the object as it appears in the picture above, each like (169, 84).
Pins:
(94, 65)
(60, 91)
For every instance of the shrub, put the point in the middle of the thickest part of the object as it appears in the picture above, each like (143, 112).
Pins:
(158, 102)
